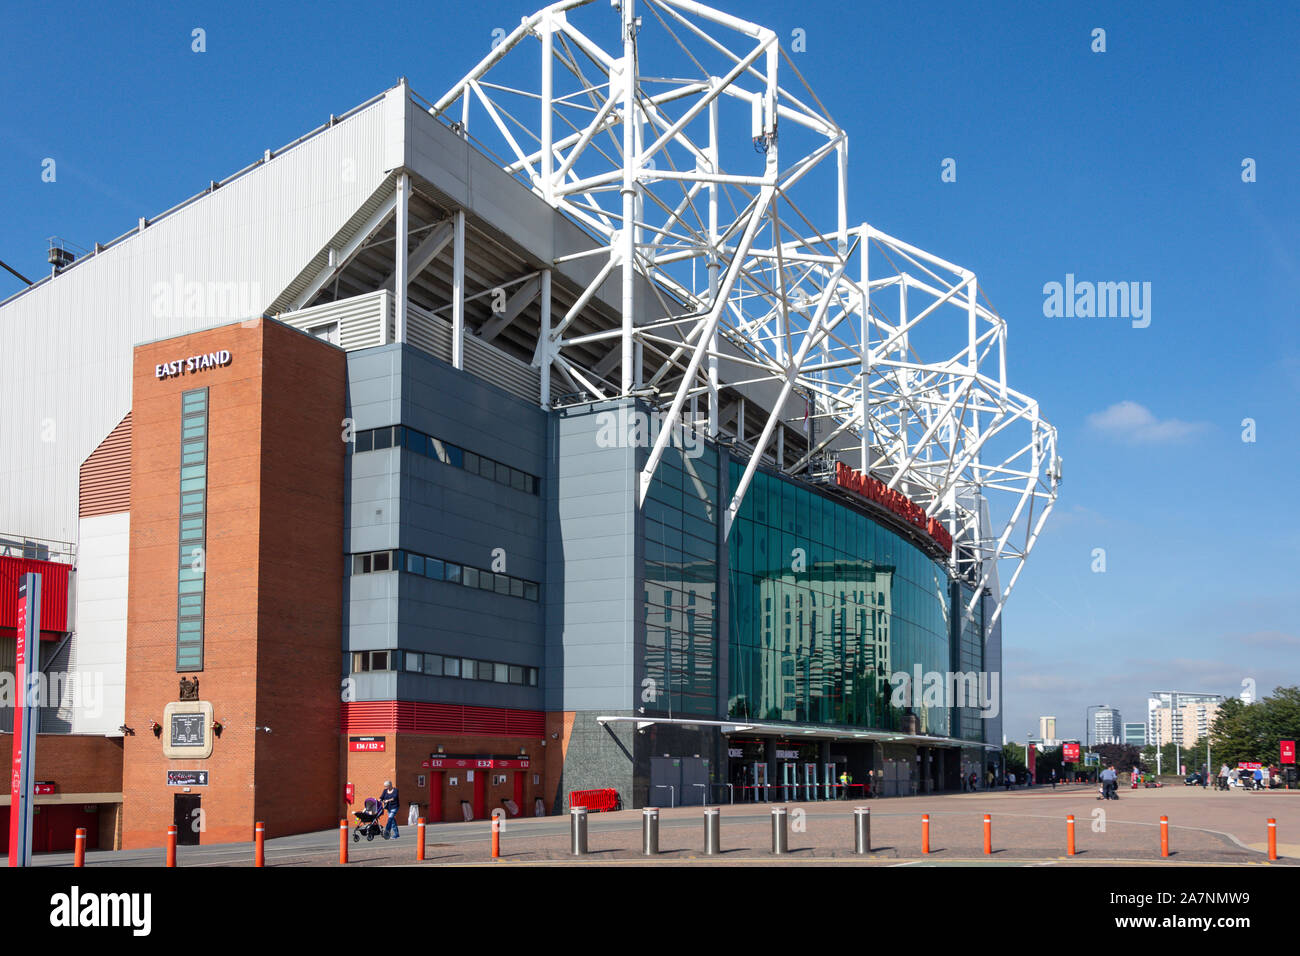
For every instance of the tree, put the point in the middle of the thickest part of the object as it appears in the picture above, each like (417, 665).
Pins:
(1123, 756)
(1252, 732)
(1013, 755)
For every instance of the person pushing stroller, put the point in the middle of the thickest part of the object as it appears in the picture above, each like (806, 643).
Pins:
(1109, 780)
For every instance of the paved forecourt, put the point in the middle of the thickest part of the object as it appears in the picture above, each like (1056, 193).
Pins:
(1028, 827)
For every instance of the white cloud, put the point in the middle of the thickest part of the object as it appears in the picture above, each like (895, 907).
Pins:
(1133, 423)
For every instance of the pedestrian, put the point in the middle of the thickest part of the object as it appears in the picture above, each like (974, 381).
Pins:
(390, 802)
(1108, 779)
(992, 780)
(1259, 779)
(1234, 777)
(1223, 777)
(1053, 778)
(974, 781)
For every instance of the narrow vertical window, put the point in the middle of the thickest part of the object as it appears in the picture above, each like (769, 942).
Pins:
(192, 562)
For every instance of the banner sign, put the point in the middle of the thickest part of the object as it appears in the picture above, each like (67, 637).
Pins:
(358, 745)
(1070, 753)
(1288, 751)
(474, 763)
(21, 797)
(904, 507)
(187, 778)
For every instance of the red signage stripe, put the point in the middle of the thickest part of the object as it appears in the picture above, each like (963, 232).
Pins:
(422, 717)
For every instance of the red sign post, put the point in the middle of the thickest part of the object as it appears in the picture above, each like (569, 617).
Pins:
(24, 735)
(1070, 753)
(1288, 751)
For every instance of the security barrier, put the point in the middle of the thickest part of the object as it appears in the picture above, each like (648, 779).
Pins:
(596, 800)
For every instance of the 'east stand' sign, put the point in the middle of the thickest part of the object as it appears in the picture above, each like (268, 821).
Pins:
(195, 363)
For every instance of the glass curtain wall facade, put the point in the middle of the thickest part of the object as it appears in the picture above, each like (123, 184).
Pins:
(681, 574)
(826, 605)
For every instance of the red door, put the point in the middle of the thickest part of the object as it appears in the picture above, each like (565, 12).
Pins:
(435, 796)
(480, 795)
(519, 792)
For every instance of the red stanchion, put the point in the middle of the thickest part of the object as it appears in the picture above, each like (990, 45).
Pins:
(259, 844)
(1164, 836)
(171, 845)
(79, 851)
(1069, 835)
(496, 837)
(925, 833)
(419, 838)
(1272, 838)
(988, 833)
(343, 841)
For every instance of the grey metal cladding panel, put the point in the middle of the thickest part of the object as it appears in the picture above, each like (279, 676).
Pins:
(375, 685)
(465, 410)
(474, 693)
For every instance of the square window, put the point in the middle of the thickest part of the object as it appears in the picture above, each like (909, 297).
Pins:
(516, 674)
(518, 480)
(469, 577)
(501, 673)
(382, 560)
(438, 450)
(379, 660)
(471, 462)
(487, 468)
(451, 667)
(532, 677)
(417, 442)
(530, 591)
(433, 664)
(383, 438)
(503, 474)
(469, 668)
(485, 670)
(414, 662)
(503, 584)
(363, 441)
(433, 568)
(516, 588)
(361, 564)
(415, 563)
(453, 572)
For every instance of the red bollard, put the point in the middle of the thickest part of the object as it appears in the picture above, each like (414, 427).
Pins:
(343, 841)
(925, 833)
(419, 838)
(171, 845)
(988, 833)
(1069, 835)
(1164, 836)
(496, 837)
(259, 843)
(79, 851)
(1272, 838)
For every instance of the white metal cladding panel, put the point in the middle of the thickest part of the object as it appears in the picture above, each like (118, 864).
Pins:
(96, 702)
(426, 331)
(432, 333)
(358, 318)
(66, 346)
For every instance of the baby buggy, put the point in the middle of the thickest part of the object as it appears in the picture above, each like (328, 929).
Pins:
(369, 821)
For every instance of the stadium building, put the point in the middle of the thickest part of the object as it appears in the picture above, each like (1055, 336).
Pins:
(560, 433)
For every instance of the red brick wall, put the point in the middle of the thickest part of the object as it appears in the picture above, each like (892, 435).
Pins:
(75, 763)
(268, 610)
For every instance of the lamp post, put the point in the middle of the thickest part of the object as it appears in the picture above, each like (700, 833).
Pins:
(1087, 728)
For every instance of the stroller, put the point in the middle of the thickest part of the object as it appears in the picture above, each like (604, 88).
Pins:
(369, 826)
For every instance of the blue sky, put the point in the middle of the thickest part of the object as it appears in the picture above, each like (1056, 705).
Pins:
(1122, 165)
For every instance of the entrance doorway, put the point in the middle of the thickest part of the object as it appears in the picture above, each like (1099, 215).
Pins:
(187, 814)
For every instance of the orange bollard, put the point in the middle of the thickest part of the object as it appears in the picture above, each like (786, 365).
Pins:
(171, 845)
(1272, 838)
(419, 838)
(79, 851)
(925, 833)
(259, 844)
(1164, 836)
(496, 837)
(1069, 835)
(343, 841)
(988, 833)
